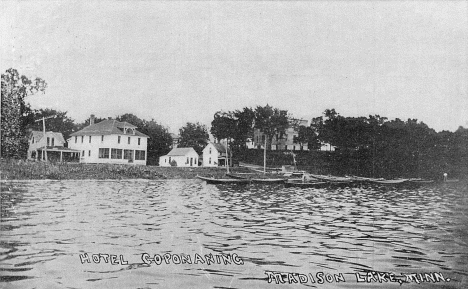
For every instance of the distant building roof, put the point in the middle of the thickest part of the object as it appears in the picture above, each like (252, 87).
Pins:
(219, 147)
(106, 127)
(180, 151)
(38, 135)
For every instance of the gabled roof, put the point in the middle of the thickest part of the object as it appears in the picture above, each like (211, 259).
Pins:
(180, 151)
(219, 147)
(38, 135)
(106, 127)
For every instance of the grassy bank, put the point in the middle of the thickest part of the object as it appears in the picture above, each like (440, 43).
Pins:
(26, 170)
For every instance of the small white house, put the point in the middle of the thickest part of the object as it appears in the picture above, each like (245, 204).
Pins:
(180, 157)
(214, 154)
(49, 146)
(110, 141)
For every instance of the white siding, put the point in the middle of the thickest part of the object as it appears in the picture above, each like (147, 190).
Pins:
(91, 150)
(182, 161)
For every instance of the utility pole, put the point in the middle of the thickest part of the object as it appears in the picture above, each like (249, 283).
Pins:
(227, 155)
(264, 155)
(44, 151)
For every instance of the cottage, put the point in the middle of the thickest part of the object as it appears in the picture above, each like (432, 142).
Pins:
(214, 154)
(110, 141)
(180, 157)
(49, 146)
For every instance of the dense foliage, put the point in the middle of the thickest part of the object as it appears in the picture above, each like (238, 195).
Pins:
(15, 112)
(376, 146)
(236, 126)
(60, 122)
(194, 135)
(239, 125)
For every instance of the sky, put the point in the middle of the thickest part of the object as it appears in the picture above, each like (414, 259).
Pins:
(182, 61)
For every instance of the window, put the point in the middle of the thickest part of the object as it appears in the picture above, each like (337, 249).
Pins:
(138, 141)
(76, 139)
(209, 161)
(210, 151)
(89, 153)
(53, 141)
(102, 138)
(187, 161)
(89, 139)
(128, 140)
(82, 154)
(82, 138)
(48, 141)
(140, 155)
(128, 154)
(116, 154)
(103, 153)
(33, 140)
(118, 139)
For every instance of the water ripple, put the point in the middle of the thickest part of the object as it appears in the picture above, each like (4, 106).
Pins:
(46, 225)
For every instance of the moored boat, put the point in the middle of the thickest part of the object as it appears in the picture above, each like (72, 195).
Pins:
(332, 178)
(238, 176)
(390, 182)
(268, 181)
(420, 181)
(223, 181)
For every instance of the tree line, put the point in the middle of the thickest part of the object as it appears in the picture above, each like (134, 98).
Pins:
(371, 146)
(18, 119)
(368, 146)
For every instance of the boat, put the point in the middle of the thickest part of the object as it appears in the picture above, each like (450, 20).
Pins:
(268, 181)
(364, 179)
(390, 182)
(223, 181)
(238, 176)
(300, 184)
(332, 178)
(420, 181)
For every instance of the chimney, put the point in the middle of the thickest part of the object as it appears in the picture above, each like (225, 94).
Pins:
(91, 119)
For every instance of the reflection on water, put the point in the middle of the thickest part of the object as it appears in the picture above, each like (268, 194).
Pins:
(46, 225)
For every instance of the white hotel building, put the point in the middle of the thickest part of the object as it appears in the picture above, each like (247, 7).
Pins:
(110, 141)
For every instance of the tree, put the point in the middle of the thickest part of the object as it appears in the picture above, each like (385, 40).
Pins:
(15, 112)
(159, 143)
(271, 121)
(60, 123)
(234, 125)
(244, 128)
(132, 119)
(224, 125)
(307, 135)
(194, 135)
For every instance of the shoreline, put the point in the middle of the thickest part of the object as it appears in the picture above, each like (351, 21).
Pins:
(29, 170)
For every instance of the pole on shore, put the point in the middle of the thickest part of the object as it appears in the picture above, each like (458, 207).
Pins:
(264, 156)
(44, 151)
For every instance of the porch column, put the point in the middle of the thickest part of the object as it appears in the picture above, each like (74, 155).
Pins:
(61, 156)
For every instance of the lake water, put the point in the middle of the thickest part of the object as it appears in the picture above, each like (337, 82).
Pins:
(259, 231)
